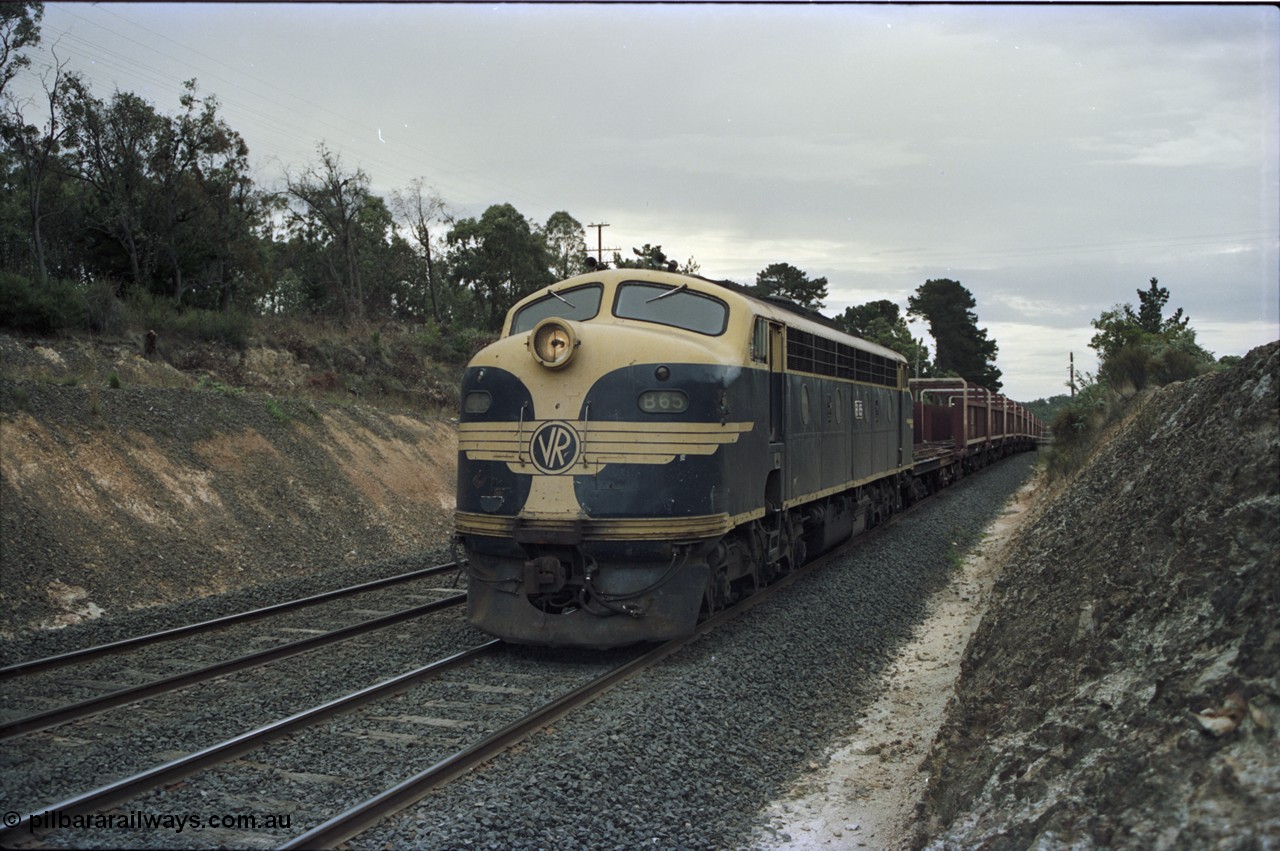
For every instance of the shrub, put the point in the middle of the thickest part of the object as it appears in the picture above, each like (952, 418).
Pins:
(26, 306)
(1128, 368)
(208, 383)
(277, 413)
(148, 312)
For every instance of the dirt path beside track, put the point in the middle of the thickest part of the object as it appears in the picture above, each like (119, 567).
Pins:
(866, 793)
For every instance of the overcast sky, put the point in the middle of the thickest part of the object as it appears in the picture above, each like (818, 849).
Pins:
(1051, 159)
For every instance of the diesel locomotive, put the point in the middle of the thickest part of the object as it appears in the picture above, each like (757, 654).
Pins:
(640, 448)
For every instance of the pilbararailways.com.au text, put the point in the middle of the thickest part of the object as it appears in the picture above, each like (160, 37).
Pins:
(137, 820)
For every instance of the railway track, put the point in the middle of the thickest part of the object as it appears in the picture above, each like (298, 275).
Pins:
(358, 818)
(85, 654)
(457, 691)
(28, 684)
(209, 689)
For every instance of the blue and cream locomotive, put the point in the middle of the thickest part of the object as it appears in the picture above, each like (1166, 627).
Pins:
(642, 447)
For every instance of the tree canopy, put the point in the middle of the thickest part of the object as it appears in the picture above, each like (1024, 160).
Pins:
(1142, 347)
(19, 29)
(501, 257)
(881, 322)
(567, 245)
(962, 347)
(653, 257)
(786, 281)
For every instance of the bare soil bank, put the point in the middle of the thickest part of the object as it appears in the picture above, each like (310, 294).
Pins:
(119, 498)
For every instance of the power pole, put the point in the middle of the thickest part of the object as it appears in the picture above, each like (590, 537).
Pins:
(1071, 373)
(600, 249)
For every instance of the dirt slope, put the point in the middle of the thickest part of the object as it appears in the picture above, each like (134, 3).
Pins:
(116, 498)
(1124, 688)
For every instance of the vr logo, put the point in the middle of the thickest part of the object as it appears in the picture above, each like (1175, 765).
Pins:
(554, 447)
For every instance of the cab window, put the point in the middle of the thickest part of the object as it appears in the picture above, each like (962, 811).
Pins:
(677, 306)
(760, 340)
(580, 303)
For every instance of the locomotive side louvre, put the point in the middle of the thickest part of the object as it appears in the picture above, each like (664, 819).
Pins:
(638, 442)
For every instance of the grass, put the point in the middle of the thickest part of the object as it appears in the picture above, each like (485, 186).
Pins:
(209, 383)
(277, 413)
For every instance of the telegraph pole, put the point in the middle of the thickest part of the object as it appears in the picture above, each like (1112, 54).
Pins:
(1071, 373)
(600, 249)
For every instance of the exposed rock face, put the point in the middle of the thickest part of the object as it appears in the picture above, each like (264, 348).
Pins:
(121, 498)
(1124, 688)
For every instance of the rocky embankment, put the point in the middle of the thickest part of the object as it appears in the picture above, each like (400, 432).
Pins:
(122, 497)
(1124, 688)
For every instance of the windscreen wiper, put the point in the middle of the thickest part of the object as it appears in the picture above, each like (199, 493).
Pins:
(562, 298)
(668, 292)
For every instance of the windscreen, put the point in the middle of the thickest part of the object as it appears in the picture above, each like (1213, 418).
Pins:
(677, 306)
(580, 303)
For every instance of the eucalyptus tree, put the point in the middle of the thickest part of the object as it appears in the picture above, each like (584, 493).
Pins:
(329, 205)
(34, 151)
(567, 243)
(113, 148)
(424, 212)
(19, 29)
(501, 257)
(202, 191)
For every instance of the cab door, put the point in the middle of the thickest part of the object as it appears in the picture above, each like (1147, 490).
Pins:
(768, 347)
(777, 414)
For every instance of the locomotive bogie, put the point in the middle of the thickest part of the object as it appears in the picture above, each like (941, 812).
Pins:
(536, 600)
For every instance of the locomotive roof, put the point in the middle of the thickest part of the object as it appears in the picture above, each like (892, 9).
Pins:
(781, 310)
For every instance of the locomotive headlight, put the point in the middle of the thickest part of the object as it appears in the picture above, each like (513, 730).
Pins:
(552, 343)
(664, 402)
(477, 402)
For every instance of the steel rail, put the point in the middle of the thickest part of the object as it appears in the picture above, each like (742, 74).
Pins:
(84, 654)
(128, 787)
(132, 694)
(366, 814)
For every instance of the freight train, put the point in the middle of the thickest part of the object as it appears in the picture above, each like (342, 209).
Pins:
(641, 448)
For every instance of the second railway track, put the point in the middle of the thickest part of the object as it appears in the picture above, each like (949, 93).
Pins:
(47, 691)
(185, 709)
